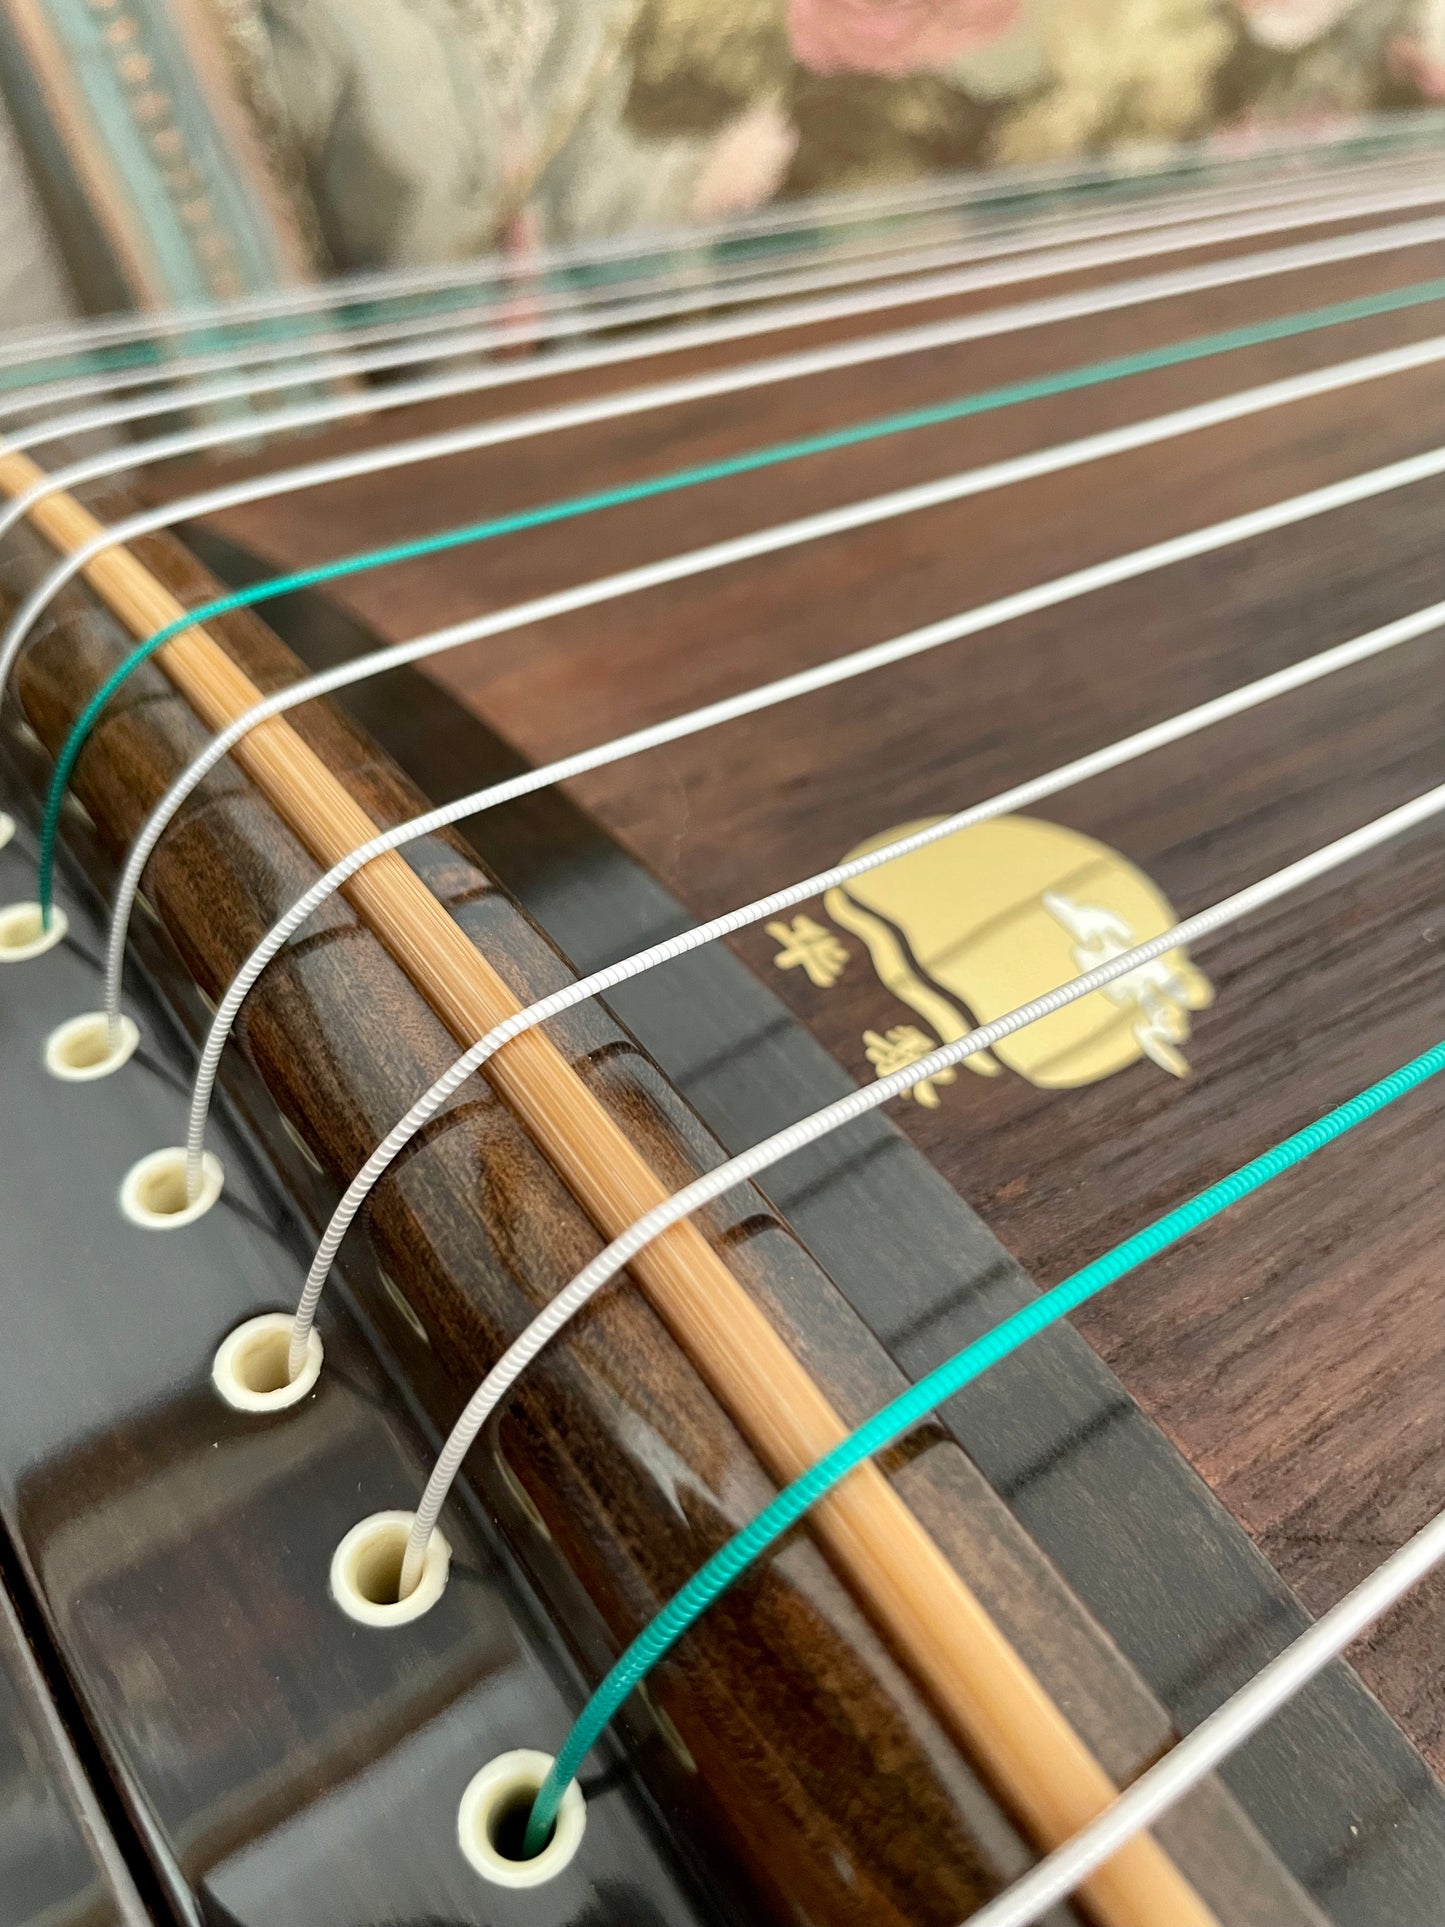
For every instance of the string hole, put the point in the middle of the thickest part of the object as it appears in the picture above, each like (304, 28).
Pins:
(250, 1367)
(492, 1820)
(154, 1192)
(507, 1825)
(366, 1572)
(23, 933)
(86, 1047)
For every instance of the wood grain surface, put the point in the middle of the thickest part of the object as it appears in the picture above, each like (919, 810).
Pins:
(1293, 1352)
(217, 882)
(937, 1627)
(59, 1860)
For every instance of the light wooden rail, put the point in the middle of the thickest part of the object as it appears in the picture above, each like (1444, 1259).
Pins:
(987, 1695)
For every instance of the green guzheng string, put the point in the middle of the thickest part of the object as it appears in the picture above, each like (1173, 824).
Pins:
(985, 401)
(910, 1407)
(596, 277)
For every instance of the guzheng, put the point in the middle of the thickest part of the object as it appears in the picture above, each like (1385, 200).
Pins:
(721, 1099)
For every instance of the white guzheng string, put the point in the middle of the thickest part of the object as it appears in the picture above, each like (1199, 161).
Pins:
(1224, 1732)
(957, 192)
(623, 303)
(619, 311)
(508, 275)
(617, 1255)
(779, 537)
(770, 541)
(451, 340)
(1021, 796)
(605, 309)
(573, 312)
(855, 352)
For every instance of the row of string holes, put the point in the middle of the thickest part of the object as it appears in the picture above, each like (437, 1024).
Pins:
(249, 1373)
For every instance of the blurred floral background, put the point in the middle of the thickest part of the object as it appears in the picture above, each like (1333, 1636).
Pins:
(425, 127)
(185, 148)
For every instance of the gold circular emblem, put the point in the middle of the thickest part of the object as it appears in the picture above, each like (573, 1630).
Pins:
(978, 923)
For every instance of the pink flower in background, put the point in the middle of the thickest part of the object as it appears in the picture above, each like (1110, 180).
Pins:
(520, 310)
(746, 164)
(1418, 65)
(1293, 23)
(892, 37)
(1254, 132)
(1419, 56)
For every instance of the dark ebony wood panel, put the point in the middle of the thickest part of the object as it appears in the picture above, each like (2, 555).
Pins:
(280, 1766)
(60, 1865)
(1311, 1399)
(1169, 1574)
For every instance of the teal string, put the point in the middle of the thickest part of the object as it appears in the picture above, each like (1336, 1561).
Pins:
(156, 352)
(905, 1411)
(237, 336)
(354, 311)
(649, 488)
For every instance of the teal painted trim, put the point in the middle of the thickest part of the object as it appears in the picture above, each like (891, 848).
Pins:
(1092, 375)
(95, 63)
(901, 1414)
(600, 277)
(237, 335)
(195, 224)
(1193, 169)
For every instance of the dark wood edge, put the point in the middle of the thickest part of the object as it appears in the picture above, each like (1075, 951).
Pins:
(1333, 1784)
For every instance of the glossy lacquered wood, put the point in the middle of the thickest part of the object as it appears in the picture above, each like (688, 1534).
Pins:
(1175, 1582)
(987, 1695)
(59, 1860)
(1309, 1396)
(616, 1531)
(766, 1695)
(280, 1765)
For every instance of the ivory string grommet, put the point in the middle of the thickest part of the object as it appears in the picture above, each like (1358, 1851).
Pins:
(249, 1370)
(493, 1814)
(154, 1192)
(89, 1046)
(366, 1568)
(23, 931)
(7, 828)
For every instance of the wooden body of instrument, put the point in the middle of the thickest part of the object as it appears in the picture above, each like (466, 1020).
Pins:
(1141, 1509)
(58, 1857)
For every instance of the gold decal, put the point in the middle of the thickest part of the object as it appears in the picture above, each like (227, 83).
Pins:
(979, 922)
(811, 947)
(1156, 994)
(896, 1049)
